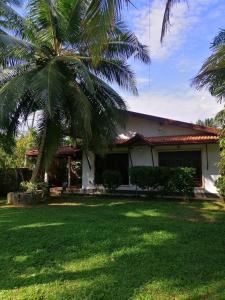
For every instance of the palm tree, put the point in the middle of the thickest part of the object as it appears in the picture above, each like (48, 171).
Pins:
(60, 63)
(212, 73)
(210, 122)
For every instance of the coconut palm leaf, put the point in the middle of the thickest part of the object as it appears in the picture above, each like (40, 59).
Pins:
(61, 65)
(166, 16)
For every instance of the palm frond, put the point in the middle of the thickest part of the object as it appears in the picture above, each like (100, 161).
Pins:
(219, 39)
(49, 84)
(124, 43)
(79, 70)
(166, 16)
(114, 70)
(10, 18)
(212, 74)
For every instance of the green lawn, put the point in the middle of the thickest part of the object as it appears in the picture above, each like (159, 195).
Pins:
(113, 249)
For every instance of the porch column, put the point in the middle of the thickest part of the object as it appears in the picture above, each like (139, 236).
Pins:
(88, 170)
(69, 171)
(46, 177)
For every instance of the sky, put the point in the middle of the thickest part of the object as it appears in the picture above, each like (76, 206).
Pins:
(165, 86)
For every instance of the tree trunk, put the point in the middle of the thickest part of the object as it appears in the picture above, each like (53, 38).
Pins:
(38, 164)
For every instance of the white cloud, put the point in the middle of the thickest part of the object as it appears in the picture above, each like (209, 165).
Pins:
(183, 21)
(184, 105)
(143, 80)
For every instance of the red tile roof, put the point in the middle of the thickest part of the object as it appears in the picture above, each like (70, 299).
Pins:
(139, 139)
(63, 151)
(168, 140)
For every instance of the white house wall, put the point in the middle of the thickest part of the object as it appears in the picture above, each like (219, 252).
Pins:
(141, 156)
(152, 128)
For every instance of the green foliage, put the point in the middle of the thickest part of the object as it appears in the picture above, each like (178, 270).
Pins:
(145, 177)
(111, 179)
(61, 64)
(166, 180)
(220, 183)
(29, 187)
(182, 181)
(33, 187)
(10, 179)
(212, 73)
(210, 122)
(12, 151)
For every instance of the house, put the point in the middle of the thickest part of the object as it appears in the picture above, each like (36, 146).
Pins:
(154, 141)
(146, 141)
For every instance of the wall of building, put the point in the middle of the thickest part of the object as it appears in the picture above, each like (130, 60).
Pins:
(142, 156)
(152, 128)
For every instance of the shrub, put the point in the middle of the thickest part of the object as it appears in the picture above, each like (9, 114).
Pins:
(111, 179)
(182, 181)
(166, 180)
(145, 177)
(220, 184)
(29, 187)
(32, 187)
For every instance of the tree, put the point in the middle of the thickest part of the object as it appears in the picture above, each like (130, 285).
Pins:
(210, 122)
(55, 41)
(212, 77)
(212, 73)
(60, 62)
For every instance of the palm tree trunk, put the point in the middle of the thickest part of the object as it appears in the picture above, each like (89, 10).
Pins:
(38, 164)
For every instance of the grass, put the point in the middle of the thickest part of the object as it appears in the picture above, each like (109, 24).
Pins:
(113, 249)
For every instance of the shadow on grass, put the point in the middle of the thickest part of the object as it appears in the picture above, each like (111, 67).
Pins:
(114, 249)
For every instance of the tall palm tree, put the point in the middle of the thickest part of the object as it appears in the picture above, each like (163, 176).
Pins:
(60, 63)
(212, 73)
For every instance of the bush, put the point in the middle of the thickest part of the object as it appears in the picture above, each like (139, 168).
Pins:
(29, 187)
(33, 187)
(220, 184)
(165, 180)
(182, 181)
(111, 179)
(145, 177)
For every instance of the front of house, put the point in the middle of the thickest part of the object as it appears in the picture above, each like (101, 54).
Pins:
(155, 141)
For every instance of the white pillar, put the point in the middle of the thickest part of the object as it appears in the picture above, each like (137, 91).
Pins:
(46, 177)
(69, 171)
(88, 170)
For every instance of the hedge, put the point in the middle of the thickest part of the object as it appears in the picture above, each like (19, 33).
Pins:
(111, 179)
(165, 180)
(10, 179)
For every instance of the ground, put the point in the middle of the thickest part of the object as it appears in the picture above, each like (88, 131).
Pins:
(113, 249)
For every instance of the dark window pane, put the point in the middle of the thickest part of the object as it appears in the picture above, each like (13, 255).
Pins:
(177, 159)
(114, 162)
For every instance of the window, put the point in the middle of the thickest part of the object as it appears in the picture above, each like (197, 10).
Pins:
(113, 161)
(183, 159)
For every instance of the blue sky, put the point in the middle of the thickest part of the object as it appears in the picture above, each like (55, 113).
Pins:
(164, 88)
